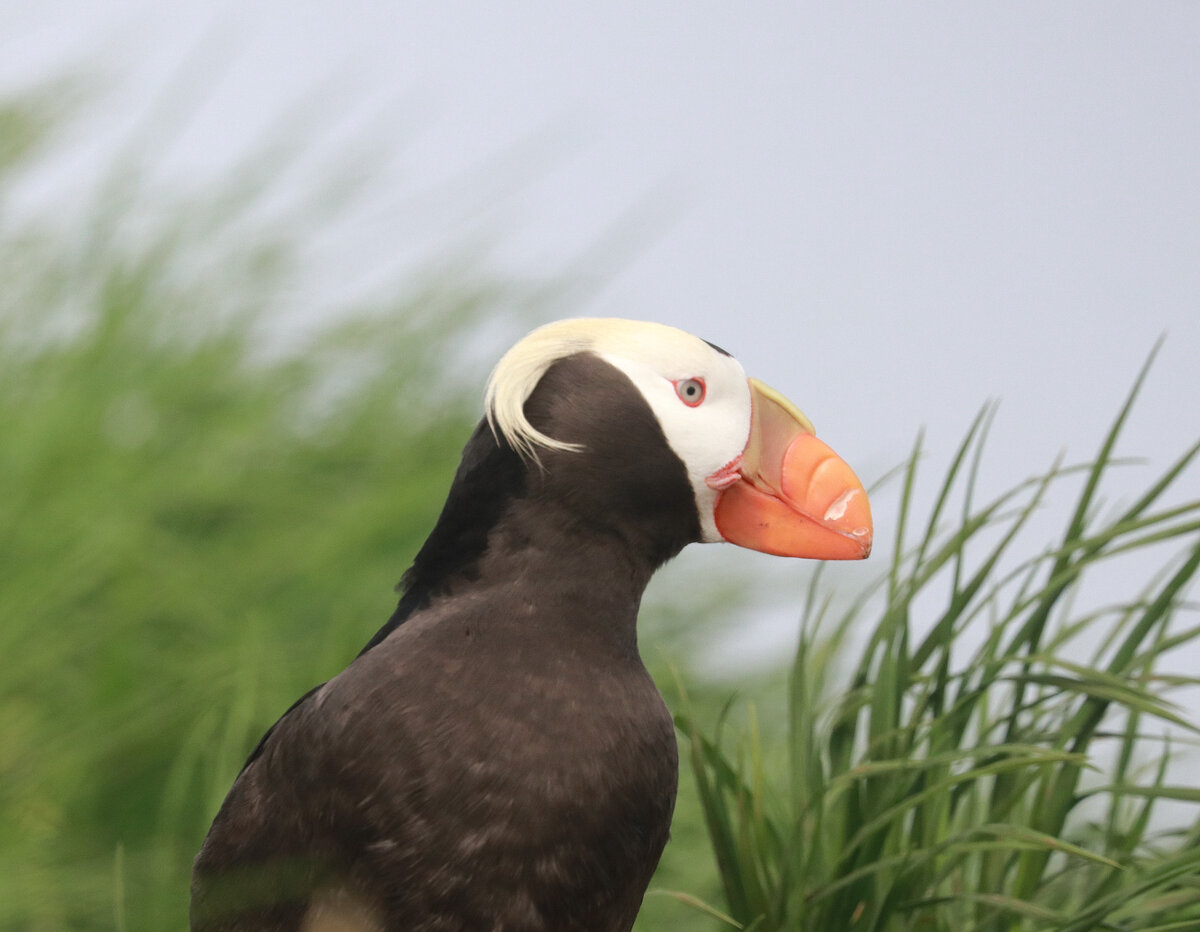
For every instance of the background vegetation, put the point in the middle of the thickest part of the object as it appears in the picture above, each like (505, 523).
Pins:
(201, 519)
(1003, 754)
(204, 510)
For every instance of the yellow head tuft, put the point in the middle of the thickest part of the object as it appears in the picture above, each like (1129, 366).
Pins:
(519, 370)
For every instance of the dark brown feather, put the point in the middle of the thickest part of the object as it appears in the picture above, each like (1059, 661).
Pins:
(498, 756)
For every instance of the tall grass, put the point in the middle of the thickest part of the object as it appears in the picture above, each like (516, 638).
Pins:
(1000, 756)
(198, 521)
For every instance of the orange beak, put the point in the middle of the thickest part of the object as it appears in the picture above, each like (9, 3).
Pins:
(789, 494)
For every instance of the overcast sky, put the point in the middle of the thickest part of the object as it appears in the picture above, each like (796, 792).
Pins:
(891, 212)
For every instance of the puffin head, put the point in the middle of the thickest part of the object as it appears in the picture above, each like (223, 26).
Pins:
(645, 419)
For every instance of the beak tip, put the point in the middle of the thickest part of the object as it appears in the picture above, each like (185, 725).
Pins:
(850, 513)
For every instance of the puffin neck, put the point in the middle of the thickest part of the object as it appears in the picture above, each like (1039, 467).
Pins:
(596, 519)
(501, 532)
(565, 575)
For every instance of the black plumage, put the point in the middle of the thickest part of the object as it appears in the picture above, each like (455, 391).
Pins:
(497, 757)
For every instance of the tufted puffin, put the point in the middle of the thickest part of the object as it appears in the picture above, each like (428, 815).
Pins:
(497, 757)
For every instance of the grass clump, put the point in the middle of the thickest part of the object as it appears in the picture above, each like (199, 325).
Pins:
(203, 510)
(1007, 769)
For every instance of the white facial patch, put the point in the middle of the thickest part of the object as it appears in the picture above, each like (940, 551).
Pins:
(706, 436)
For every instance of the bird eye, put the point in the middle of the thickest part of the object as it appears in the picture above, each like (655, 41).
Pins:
(690, 391)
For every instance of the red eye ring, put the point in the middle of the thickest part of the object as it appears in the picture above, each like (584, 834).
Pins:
(690, 391)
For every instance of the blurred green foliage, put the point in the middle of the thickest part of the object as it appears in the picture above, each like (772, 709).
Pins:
(189, 535)
(205, 507)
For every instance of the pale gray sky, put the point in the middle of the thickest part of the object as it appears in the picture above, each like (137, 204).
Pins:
(891, 212)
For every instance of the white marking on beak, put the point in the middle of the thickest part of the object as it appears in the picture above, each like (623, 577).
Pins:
(838, 508)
